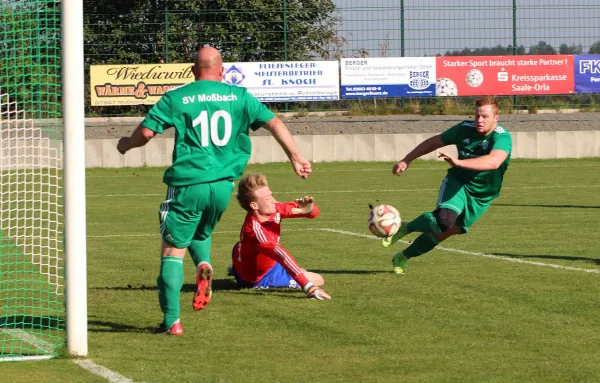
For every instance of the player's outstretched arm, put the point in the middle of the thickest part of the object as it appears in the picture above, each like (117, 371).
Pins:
(425, 147)
(302, 167)
(140, 137)
(301, 208)
(306, 207)
(491, 161)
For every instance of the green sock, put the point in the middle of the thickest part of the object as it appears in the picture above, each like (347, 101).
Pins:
(425, 223)
(162, 299)
(170, 282)
(423, 244)
(200, 250)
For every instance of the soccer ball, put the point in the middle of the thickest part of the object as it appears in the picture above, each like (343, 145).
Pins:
(445, 87)
(474, 78)
(384, 220)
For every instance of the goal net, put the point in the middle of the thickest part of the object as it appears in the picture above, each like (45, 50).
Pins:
(32, 304)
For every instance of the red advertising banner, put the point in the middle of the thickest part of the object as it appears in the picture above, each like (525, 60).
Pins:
(504, 75)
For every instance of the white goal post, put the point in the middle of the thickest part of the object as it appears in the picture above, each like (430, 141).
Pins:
(74, 176)
(43, 246)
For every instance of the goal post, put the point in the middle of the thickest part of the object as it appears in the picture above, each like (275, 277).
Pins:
(43, 285)
(74, 176)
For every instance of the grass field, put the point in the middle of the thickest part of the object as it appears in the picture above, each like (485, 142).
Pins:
(485, 308)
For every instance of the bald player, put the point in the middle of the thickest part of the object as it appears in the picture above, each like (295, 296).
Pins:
(212, 121)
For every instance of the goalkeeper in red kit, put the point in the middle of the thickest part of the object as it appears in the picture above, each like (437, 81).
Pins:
(259, 261)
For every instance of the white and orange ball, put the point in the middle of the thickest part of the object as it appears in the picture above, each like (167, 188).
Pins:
(384, 220)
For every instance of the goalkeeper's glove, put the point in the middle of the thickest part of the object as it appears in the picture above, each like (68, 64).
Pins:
(318, 293)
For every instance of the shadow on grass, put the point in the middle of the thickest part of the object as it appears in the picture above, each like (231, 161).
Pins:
(351, 272)
(274, 292)
(106, 326)
(547, 206)
(595, 261)
(29, 321)
(218, 284)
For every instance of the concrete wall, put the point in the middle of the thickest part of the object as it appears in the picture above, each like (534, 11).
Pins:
(40, 153)
(359, 147)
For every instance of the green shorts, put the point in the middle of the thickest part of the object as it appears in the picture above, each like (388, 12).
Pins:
(454, 196)
(192, 212)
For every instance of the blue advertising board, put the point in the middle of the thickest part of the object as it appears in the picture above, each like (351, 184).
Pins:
(587, 73)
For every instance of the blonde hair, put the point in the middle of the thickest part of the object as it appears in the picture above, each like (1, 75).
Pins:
(247, 186)
(488, 101)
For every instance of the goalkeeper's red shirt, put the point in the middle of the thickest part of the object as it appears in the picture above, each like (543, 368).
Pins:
(258, 249)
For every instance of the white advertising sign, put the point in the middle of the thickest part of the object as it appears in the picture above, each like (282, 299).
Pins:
(286, 81)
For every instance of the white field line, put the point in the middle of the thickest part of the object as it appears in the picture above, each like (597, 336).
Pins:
(48, 348)
(151, 234)
(386, 169)
(101, 371)
(25, 358)
(508, 259)
(125, 235)
(364, 191)
(41, 345)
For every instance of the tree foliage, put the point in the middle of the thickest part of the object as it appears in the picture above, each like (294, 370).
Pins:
(565, 49)
(542, 48)
(30, 60)
(595, 48)
(147, 31)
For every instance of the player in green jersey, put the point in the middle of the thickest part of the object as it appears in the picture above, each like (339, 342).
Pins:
(471, 184)
(212, 147)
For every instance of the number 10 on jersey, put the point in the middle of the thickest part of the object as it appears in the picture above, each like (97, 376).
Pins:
(213, 127)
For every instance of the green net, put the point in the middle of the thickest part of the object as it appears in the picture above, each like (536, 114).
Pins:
(31, 246)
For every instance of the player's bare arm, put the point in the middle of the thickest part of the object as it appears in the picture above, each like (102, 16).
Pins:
(140, 137)
(427, 146)
(490, 161)
(301, 166)
(305, 205)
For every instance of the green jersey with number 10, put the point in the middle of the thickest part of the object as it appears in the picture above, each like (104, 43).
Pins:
(212, 122)
(485, 185)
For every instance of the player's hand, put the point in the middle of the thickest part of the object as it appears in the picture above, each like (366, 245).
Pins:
(400, 167)
(302, 167)
(306, 203)
(123, 145)
(453, 161)
(318, 293)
